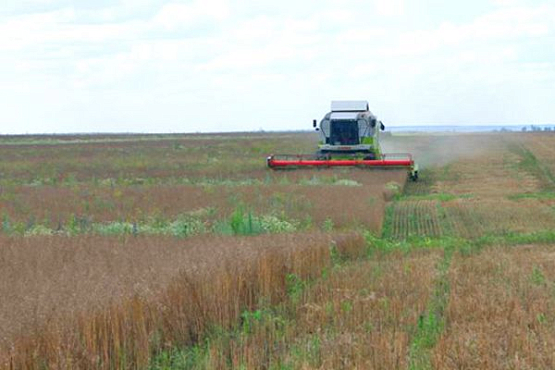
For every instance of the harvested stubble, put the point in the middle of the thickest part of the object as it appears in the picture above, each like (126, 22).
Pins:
(481, 164)
(471, 218)
(492, 172)
(97, 302)
(415, 218)
(541, 145)
(501, 311)
(441, 149)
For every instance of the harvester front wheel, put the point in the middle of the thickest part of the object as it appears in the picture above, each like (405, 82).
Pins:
(414, 175)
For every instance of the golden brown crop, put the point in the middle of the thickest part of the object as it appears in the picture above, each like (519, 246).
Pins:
(97, 302)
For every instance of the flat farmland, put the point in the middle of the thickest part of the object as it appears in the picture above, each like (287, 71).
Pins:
(488, 185)
(499, 311)
(184, 251)
(59, 183)
(106, 240)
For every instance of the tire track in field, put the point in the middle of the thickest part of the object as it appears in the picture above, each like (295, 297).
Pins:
(432, 322)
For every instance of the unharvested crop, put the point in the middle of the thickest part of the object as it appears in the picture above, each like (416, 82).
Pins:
(56, 206)
(98, 302)
(356, 316)
(500, 312)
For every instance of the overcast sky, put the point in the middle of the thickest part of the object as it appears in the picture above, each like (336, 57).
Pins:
(238, 65)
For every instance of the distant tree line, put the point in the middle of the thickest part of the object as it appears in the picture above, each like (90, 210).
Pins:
(537, 128)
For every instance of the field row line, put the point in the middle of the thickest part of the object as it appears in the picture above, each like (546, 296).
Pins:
(432, 322)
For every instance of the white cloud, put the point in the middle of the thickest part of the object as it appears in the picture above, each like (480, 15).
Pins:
(507, 3)
(149, 62)
(389, 8)
(514, 25)
(182, 15)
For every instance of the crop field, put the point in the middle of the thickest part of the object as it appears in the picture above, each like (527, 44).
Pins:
(511, 323)
(415, 218)
(185, 252)
(491, 184)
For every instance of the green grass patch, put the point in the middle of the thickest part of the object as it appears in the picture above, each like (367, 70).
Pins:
(441, 197)
(512, 238)
(538, 195)
(432, 322)
(244, 222)
(461, 245)
(387, 226)
(385, 245)
(241, 222)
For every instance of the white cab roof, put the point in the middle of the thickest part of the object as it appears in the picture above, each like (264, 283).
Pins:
(344, 115)
(349, 106)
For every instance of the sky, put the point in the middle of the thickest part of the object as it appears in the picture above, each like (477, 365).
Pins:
(238, 65)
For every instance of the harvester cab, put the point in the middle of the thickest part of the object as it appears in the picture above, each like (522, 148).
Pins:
(349, 136)
(350, 130)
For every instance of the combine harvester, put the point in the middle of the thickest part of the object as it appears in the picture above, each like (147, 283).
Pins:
(349, 137)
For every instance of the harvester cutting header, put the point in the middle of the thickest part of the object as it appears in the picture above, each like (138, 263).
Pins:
(349, 137)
